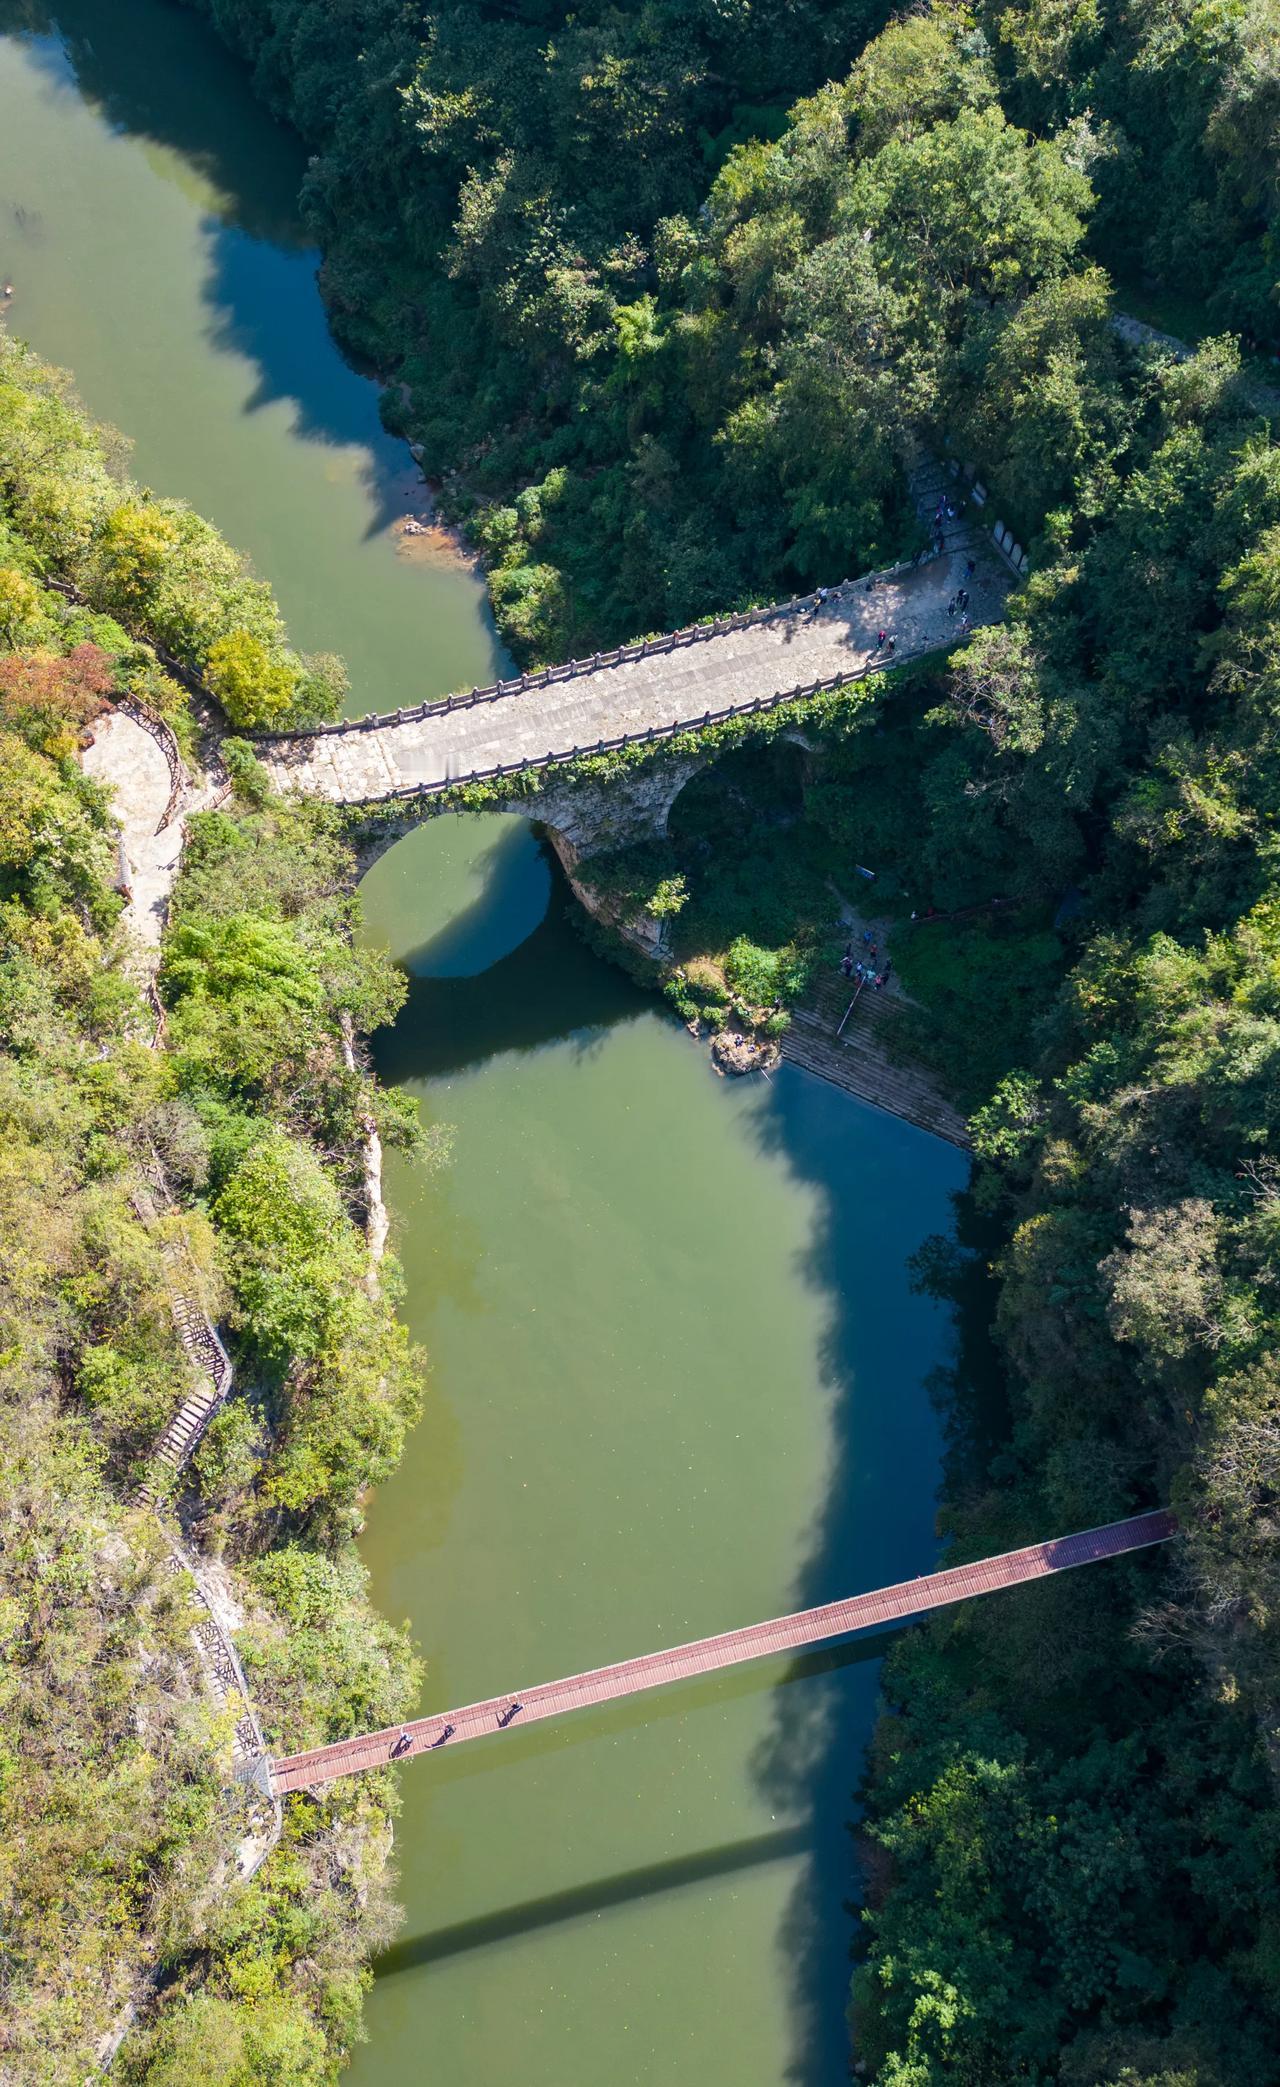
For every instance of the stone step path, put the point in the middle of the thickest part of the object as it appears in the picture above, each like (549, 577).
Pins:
(220, 1665)
(214, 1374)
(860, 1058)
(215, 1649)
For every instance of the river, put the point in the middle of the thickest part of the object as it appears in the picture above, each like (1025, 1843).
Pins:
(679, 1381)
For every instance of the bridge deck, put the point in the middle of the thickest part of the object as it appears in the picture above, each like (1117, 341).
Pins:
(677, 682)
(785, 1634)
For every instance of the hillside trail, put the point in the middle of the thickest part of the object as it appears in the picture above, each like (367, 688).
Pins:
(137, 759)
(154, 792)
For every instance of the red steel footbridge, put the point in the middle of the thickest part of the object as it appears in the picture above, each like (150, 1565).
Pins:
(808, 1627)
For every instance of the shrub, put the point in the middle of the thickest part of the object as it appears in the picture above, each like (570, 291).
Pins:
(255, 686)
(764, 975)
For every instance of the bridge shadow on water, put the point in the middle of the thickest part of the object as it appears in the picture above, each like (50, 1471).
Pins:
(648, 1880)
(550, 989)
(160, 73)
(599, 1896)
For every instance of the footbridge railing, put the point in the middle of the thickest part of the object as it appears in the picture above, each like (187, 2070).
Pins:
(897, 1604)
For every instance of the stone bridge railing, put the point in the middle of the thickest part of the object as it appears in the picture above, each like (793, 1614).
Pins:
(646, 648)
(652, 735)
(166, 739)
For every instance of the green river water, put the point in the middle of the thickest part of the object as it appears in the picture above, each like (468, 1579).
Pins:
(679, 1380)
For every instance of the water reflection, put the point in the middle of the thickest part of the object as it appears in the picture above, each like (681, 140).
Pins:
(505, 969)
(159, 74)
(264, 307)
(551, 990)
(813, 1755)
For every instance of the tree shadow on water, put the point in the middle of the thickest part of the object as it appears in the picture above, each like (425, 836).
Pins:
(160, 74)
(265, 307)
(882, 1188)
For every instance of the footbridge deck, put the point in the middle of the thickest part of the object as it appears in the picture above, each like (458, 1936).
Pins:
(910, 1598)
(739, 664)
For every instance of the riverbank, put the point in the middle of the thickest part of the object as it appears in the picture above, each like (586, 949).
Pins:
(102, 1107)
(716, 400)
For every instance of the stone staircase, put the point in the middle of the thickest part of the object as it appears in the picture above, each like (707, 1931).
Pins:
(211, 1636)
(928, 482)
(859, 1056)
(221, 1668)
(205, 1352)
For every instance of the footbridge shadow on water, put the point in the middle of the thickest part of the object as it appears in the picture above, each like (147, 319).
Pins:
(600, 1896)
(647, 1880)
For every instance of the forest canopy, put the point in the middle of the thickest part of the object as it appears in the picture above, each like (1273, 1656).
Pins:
(673, 294)
(663, 287)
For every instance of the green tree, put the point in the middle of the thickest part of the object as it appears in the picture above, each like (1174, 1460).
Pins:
(254, 685)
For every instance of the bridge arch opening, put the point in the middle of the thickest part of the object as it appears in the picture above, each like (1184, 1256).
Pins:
(481, 887)
(751, 788)
(714, 832)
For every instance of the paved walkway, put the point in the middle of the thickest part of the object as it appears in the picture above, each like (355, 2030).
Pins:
(677, 681)
(1137, 333)
(133, 764)
(785, 1634)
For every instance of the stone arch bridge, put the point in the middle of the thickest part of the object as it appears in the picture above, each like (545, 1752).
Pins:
(638, 695)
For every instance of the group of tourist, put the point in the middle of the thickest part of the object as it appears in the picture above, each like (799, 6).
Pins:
(404, 1743)
(959, 604)
(866, 969)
